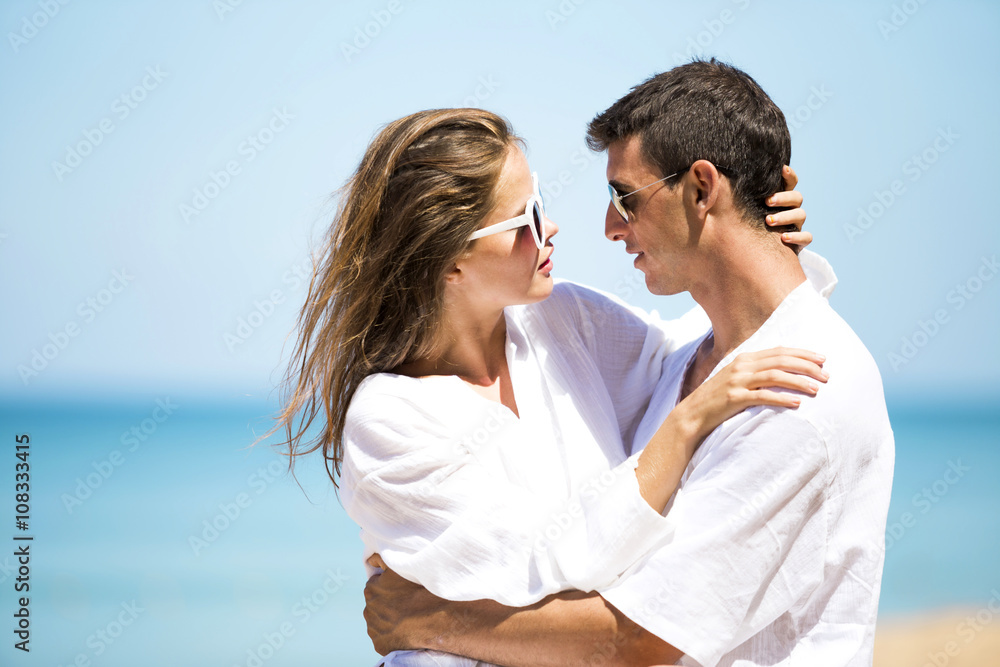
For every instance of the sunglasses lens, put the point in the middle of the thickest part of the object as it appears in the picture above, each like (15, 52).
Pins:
(539, 224)
(616, 200)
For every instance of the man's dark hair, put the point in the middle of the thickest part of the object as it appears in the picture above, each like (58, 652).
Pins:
(705, 110)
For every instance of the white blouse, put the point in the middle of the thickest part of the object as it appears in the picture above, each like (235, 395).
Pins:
(458, 494)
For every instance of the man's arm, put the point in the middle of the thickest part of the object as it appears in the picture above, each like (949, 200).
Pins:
(570, 629)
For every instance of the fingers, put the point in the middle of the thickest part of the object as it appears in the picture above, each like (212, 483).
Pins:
(757, 374)
(790, 177)
(790, 200)
(797, 240)
(775, 399)
(795, 216)
(376, 624)
(778, 379)
(787, 198)
(376, 561)
(790, 364)
(781, 351)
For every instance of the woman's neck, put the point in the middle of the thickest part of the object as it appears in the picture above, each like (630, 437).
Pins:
(470, 345)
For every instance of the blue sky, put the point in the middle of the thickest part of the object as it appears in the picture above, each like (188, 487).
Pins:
(165, 165)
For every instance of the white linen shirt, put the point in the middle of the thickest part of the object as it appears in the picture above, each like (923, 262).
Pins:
(458, 494)
(779, 520)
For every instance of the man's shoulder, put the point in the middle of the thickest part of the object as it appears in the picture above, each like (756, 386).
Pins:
(810, 322)
(848, 413)
(783, 435)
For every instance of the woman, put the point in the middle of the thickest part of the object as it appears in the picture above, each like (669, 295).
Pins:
(479, 415)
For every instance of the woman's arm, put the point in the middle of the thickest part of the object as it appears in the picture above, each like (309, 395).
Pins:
(748, 380)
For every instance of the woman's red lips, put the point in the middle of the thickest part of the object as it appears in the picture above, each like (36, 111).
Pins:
(546, 266)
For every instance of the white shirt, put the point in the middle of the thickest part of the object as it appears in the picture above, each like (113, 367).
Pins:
(779, 521)
(458, 494)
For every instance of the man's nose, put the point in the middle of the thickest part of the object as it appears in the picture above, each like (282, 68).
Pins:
(615, 227)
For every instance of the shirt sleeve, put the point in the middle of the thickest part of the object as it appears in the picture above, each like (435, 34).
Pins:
(749, 541)
(440, 518)
(626, 344)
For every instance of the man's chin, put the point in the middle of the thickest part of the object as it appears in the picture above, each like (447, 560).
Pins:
(659, 287)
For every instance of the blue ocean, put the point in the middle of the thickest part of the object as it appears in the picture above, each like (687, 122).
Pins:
(160, 538)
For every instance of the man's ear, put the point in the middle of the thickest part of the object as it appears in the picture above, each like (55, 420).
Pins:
(706, 182)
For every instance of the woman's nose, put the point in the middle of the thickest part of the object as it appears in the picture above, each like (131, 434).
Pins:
(551, 228)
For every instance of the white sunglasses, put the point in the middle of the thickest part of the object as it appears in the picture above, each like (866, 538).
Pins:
(533, 216)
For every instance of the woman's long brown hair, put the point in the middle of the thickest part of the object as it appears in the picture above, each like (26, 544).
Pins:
(375, 299)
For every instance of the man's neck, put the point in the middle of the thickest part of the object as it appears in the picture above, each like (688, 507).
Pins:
(741, 286)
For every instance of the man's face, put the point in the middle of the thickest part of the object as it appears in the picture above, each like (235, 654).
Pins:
(657, 230)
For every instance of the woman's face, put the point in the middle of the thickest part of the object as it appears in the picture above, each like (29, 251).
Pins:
(507, 269)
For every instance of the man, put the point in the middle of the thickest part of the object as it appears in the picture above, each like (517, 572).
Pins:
(777, 552)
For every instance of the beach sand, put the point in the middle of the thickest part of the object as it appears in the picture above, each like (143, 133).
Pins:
(952, 638)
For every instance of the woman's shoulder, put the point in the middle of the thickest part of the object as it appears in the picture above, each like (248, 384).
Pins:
(388, 394)
(390, 414)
